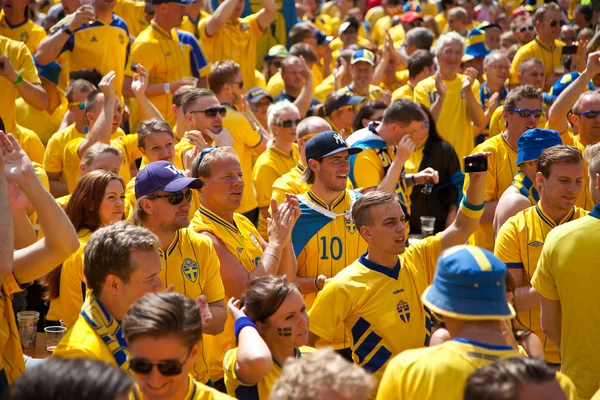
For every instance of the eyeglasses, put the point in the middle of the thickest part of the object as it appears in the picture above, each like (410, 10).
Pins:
(175, 198)
(288, 123)
(211, 112)
(591, 114)
(80, 105)
(554, 23)
(240, 84)
(524, 29)
(523, 113)
(166, 367)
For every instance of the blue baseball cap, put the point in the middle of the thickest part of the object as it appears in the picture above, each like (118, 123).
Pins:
(344, 100)
(327, 144)
(322, 38)
(50, 72)
(363, 55)
(534, 141)
(257, 94)
(476, 44)
(162, 175)
(469, 285)
(560, 85)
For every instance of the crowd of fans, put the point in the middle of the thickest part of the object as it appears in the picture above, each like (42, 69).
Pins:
(273, 199)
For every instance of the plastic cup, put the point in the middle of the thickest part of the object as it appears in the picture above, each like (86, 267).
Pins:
(190, 81)
(53, 336)
(27, 322)
(427, 226)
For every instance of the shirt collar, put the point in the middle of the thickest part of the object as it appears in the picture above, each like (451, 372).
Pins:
(391, 273)
(549, 221)
(317, 200)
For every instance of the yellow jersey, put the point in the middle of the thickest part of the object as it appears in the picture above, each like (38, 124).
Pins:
(12, 364)
(27, 32)
(196, 391)
(54, 154)
(404, 92)
(261, 390)
(519, 245)
(498, 124)
(374, 92)
(536, 49)
(584, 200)
(568, 272)
(191, 264)
(42, 123)
(241, 239)
(381, 27)
(21, 59)
(132, 13)
(441, 372)
(454, 123)
(441, 21)
(326, 247)
(245, 138)
(276, 85)
(324, 88)
(235, 41)
(378, 305)
(30, 143)
(269, 166)
(191, 26)
(502, 168)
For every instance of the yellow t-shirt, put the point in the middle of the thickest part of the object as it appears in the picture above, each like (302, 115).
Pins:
(30, 143)
(374, 93)
(379, 305)
(191, 264)
(196, 391)
(191, 26)
(12, 364)
(404, 92)
(245, 138)
(235, 41)
(381, 27)
(54, 155)
(132, 13)
(28, 32)
(498, 124)
(535, 49)
(584, 200)
(374, 14)
(42, 123)
(21, 59)
(261, 390)
(400, 80)
(441, 21)
(519, 245)
(269, 166)
(276, 85)
(331, 249)
(241, 239)
(324, 88)
(441, 372)
(568, 272)
(454, 123)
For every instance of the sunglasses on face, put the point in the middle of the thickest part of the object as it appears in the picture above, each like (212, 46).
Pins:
(277, 64)
(80, 105)
(166, 368)
(524, 29)
(212, 112)
(175, 198)
(288, 123)
(524, 113)
(591, 114)
(554, 23)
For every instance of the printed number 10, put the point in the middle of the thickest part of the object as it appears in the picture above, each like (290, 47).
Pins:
(335, 248)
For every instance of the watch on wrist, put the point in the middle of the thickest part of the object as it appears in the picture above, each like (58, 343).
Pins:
(67, 30)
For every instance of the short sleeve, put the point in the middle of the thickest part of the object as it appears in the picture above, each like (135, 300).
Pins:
(26, 64)
(143, 53)
(252, 22)
(367, 169)
(507, 247)
(331, 307)
(71, 288)
(128, 145)
(425, 254)
(514, 68)
(421, 95)
(53, 156)
(245, 133)
(213, 286)
(497, 122)
(543, 277)
(199, 65)
(31, 144)
(388, 387)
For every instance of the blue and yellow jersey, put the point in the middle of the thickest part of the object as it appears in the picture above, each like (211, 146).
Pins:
(498, 124)
(42, 123)
(132, 12)
(536, 49)
(454, 123)
(54, 155)
(12, 364)
(235, 41)
(484, 98)
(196, 391)
(269, 166)
(526, 187)
(245, 138)
(378, 305)
(241, 239)
(261, 390)
(27, 32)
(191, 264)
(441, 372)
(566, 274)
(326, 241)
(374, 92)
(98, 46)
(519, 244)
(502, 167)
(21, 59)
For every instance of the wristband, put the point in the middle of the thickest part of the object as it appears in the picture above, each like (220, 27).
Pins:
(317, 286)
(471, 211)
(266, 253)
(167, 88)
(412, 178)
(240, 324)
(19, 80)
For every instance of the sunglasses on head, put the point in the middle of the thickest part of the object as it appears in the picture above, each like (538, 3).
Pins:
(212, 112)
(80, 105)
(166, 367)
(175, 198)
(591, 114)
(524, 113)
(554, 23)
(524, 29)
(288, 123)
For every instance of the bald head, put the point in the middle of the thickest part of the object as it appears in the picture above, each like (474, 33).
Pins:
(312, 125)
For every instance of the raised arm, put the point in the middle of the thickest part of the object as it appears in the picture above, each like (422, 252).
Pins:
(217, 21)
(473, 107)
(304, 99)
(33, 93)
(436, 107)
(403, 151)
(6, 233)
(139, 85)
(267, 14)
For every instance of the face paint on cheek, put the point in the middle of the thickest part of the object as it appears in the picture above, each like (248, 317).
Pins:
(287, 331)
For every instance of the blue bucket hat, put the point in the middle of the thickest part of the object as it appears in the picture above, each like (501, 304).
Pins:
(476, 44)
(469, 285)
(560, 85)
(534, 141)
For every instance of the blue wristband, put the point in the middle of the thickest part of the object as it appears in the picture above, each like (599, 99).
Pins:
(240, 324)
(471, 206)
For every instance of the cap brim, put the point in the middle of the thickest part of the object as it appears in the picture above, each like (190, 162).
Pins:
(350, 150)
(362, 60)
(354, 100)
(181, 183)
(466, 308)
(260, 97)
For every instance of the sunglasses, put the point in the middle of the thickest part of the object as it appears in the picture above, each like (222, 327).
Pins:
(288, 123)
(524, 29)
(175, 198)
(277, 64)
(80, 105)
(349, 108)
(554, 23)
(590, 114)
(166, 368)
(212, 112)
(524, 113)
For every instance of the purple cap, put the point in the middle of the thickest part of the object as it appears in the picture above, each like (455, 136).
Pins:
(162, 175)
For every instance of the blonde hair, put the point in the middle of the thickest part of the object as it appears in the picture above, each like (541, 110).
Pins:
(202, 169)
(97, 149)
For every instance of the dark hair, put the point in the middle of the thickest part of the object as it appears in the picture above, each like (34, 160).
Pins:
(222, 72)
(193, 95)
(300, 31)
(80, 85)
(418, 61)
(92, 100)
(71, 378)
(308, 175)
(587, 11)
(521, 92)
(304, 50)
(556, 154)
(367, 111)
(503, 379)
(164, 314)
(421, 37)
(91, 75)
(433, 133)
(402, 111)
(265, 295)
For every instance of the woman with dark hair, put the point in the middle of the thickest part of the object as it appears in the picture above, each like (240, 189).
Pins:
(97, 201)
(370, 111)
(439, 200)
(271, 325)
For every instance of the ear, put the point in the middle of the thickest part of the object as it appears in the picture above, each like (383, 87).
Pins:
(365, 233)
(112, 285)
(142, 150)
(194, 352)
(174, 109)
(573, 119)
(539, 179)
(147, 206)
(82, 170)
